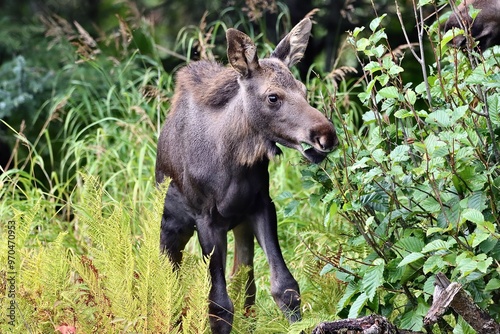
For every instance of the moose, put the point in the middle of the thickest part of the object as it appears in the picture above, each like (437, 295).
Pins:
(215, 146)
(485, 28)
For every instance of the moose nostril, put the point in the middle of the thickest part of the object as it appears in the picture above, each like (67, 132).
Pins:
(324, 142)
(327, 141)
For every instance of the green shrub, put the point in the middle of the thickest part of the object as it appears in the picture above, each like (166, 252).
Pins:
(419, 183)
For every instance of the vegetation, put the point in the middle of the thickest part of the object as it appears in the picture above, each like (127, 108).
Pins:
(413, 189)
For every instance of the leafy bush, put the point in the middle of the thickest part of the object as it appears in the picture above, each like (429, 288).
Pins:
(419, 182)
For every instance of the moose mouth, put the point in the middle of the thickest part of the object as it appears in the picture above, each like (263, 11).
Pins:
(311, 153)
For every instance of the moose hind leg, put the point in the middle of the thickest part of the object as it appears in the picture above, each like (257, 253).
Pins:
(177, 226)
(243, 256)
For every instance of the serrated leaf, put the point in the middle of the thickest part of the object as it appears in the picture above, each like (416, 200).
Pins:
(400, 153)
(493, 284)
(433, 262)
(373, 278)
(412, 257)
(291, 208)
(351, 290)
(411, 244)
(389, 92)
(358, 304)
(493, 103)
(477, 201)
(473, 215)
(413, 319)
(440, 117)
(434, 245)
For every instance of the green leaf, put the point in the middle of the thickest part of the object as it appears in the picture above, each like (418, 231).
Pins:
(493, 284)
(473, 215)
(357, 30)
(483, 265)
(375, 23)
(477, 201)
(362, 44)
(369, 116)
(494, 108)
(432, 263)
(429, 287)
(373, 67)
(350, 291)
(440, 117)
(373, 278)
(449, 35)
(413, 319)
(400, 153)
(412, 257)
(465, 264)
(410, 244)
(403, 113)
(410, 96)
(358, 304)
(291, 208)
(389, 92)
(434, 245)
(462, 327)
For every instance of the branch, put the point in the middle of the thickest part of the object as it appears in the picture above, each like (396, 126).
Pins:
(448, 294)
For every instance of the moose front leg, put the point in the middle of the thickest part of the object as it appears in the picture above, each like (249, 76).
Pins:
(212, 235)
(284, 287)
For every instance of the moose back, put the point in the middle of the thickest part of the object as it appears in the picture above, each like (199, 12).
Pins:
(485, 28)
(215, 146)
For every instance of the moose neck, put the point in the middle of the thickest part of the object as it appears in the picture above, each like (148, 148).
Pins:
(241, 142)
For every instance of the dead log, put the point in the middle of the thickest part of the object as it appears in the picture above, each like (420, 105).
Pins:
(447, 294)
(372, 324)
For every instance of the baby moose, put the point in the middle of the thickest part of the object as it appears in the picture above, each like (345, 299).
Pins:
(215, 146)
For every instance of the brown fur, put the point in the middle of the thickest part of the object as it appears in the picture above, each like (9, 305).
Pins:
(216, 144)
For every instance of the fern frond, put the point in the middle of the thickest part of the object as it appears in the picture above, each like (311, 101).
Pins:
(237, 287)
(158, 289)
(196, 284)
(90, 211)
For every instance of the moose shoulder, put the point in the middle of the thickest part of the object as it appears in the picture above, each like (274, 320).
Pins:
(215, 146)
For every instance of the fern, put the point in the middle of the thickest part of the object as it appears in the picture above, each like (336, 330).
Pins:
(237, 292)
(123, 284)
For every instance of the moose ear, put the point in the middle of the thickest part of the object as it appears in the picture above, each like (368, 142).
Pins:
(241, 52)
(292, 47)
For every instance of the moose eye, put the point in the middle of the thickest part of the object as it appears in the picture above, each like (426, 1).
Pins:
(272, 98)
